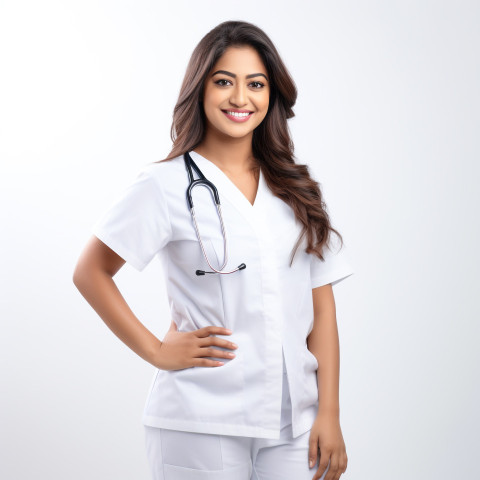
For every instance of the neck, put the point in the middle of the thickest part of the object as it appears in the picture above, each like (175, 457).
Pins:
(231, 154)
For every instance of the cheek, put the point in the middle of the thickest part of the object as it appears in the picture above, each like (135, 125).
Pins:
(263, 107)
(211, 107)
(208, 102)
(264, 102)
(213, 97)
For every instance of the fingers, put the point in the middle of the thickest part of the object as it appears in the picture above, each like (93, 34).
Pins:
(206, 341)
(333, 460)
(212, 330)
(219, 342)
(205, 362)
(322, 466)
(213, 352)
(336, 463)
(312, 451)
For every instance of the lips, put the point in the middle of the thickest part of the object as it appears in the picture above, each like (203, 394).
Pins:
(236, 110)
(238, 118)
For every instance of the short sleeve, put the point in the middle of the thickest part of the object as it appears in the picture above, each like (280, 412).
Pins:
(336, 266)
(136, 225)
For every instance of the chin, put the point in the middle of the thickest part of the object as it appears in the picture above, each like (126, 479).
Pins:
(237, 134)
(234, 132)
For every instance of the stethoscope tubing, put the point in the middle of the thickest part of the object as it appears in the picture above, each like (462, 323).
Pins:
(203, 181)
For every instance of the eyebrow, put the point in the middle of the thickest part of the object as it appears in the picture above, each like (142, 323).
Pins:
(235, 76)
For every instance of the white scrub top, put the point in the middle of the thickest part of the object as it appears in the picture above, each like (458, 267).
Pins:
(268, 305)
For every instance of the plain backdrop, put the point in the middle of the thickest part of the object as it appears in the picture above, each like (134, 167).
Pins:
(388, 120)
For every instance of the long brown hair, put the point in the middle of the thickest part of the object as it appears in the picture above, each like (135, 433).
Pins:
(271, 143)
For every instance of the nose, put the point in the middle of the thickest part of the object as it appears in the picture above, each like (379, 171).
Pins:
(239, 95)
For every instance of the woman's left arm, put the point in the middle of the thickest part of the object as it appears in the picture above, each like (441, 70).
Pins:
(326, 434)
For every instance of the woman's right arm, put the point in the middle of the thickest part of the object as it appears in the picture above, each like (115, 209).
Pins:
(93, 277)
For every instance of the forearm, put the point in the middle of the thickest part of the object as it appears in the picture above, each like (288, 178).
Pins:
(323, 342)
(101, 292)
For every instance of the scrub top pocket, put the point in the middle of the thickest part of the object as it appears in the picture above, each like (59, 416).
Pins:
(200, 383)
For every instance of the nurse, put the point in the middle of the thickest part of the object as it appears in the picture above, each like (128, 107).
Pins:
(246, 379)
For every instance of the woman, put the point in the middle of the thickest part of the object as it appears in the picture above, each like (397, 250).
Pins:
(218, 409)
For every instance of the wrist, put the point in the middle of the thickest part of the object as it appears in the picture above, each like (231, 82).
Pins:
(329, 410)
(154, 357)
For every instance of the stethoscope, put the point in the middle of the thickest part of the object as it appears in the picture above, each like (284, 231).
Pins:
(203, 181)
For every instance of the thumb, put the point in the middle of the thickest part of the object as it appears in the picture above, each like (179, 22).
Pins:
(312, 451)
(173, 326)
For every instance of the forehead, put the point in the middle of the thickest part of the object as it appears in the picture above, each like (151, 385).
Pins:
(240, 60)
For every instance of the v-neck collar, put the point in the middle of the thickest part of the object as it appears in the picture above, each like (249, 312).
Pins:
(229, 190)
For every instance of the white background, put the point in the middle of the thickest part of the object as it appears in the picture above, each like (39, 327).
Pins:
(388, 119)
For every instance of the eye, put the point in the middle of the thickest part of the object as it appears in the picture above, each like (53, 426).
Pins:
(258, 85)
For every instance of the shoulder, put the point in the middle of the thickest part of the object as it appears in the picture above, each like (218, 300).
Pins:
(163, 168)
(164, 174)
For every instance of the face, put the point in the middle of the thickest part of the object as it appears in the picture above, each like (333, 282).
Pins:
(236, 93)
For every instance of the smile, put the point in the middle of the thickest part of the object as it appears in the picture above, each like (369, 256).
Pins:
(237, 116)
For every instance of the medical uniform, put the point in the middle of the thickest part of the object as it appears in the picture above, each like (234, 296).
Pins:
(178, 455)
(268, 305)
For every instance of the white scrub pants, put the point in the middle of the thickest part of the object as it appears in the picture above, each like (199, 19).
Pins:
(177, 455)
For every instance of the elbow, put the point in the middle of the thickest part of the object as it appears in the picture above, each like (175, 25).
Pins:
(82, 274)
(78, 275)
(85, 273)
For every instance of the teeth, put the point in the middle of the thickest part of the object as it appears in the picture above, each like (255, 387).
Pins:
(235, 114)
